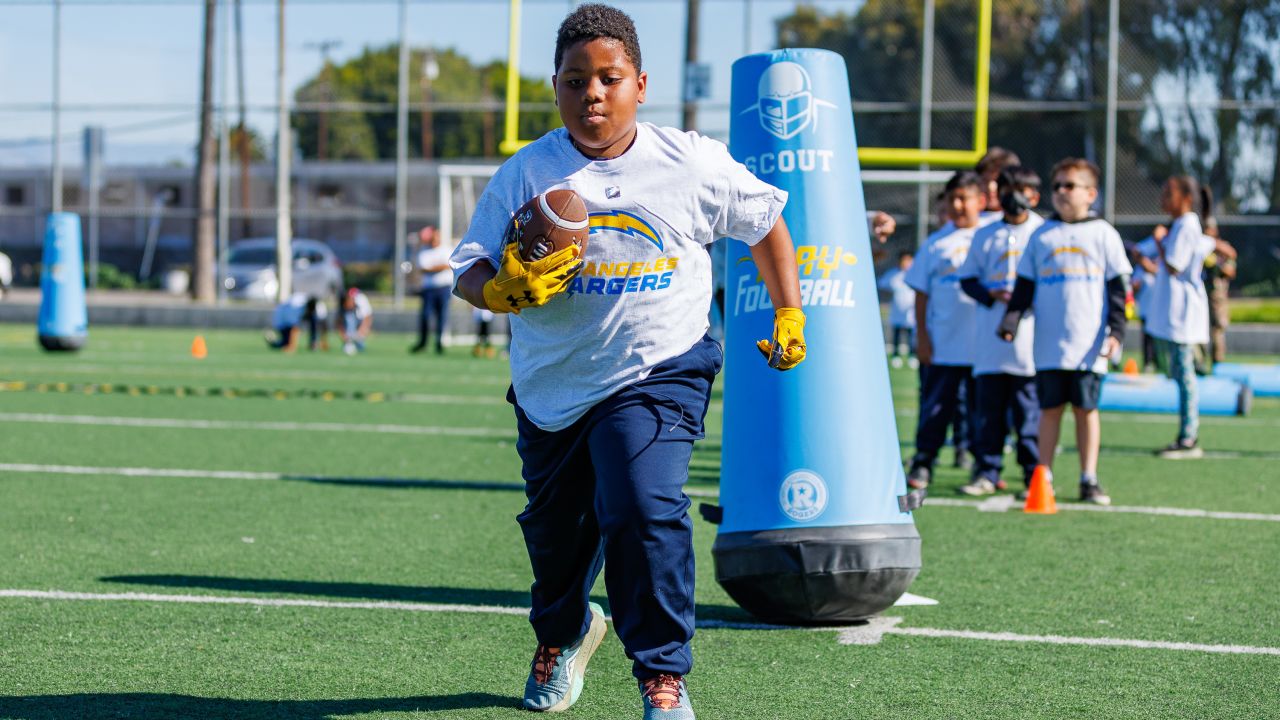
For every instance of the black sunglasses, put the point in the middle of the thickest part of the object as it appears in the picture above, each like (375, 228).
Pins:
(1069, 186)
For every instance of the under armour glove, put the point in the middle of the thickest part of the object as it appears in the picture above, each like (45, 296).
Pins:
(520, 285)
(787, 349)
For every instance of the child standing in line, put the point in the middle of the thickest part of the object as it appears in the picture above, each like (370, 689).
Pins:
(1003, 373)
(1179, 303)
(1073, 274)
(902, 303)
(1143, 256)
(610, 388)
(944, 325)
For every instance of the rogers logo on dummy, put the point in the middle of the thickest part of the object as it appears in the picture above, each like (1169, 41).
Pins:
(786, 107)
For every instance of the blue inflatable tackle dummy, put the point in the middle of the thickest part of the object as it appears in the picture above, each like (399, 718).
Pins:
(63, 323)
(815, 521)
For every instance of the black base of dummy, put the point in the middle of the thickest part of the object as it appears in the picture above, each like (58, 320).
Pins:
(54, 343)
(816, 576)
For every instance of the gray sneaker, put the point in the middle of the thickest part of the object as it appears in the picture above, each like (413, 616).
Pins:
(555, 676)
(665, 697)
(1094, 494)
(978, 486)
(1181, 450)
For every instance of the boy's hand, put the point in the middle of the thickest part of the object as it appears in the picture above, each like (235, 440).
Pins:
(519, 284)
(787, 349)
(1110, 347)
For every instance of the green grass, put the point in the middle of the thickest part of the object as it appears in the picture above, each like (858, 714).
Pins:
(387, 516)
(1255, 310)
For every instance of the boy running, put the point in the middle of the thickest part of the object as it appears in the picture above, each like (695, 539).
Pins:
(1004, 373)
(1073, 275)
(610, 381)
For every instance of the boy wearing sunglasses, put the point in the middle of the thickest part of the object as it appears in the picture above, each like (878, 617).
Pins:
(1073, 275)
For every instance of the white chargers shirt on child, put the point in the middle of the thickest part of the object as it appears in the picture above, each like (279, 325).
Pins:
(993, 259)
(1179, 310)
(949, 318)
(645, 291)
(902, 301)
(1070, 264)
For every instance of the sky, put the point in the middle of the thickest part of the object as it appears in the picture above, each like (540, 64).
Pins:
(140, 78)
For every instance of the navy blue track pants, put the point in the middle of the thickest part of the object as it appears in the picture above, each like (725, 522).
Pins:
(1002, 398)
(608, 491)
(946, 395)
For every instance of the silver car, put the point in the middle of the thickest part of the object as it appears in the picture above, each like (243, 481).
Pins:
(251, 270)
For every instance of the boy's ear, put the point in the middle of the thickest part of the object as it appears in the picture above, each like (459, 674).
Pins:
(555, 89)
(642, 81)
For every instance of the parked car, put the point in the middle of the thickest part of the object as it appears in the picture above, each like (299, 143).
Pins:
(251, 270)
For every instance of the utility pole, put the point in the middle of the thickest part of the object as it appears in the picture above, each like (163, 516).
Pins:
(284, 157)
(326, 94)
(206, 187)
(430, 71)
(55, 192)
(689, 110)
(242, 137)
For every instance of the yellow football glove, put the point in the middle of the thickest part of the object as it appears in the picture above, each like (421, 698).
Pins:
(520, 285)
(787, 349)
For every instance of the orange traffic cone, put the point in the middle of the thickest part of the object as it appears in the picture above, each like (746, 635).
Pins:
(198, 349)
(1040, 497)
(1130, 367)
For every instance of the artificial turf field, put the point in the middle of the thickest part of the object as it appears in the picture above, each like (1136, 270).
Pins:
(405, 503)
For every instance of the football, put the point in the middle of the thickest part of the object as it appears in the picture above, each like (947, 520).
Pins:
(550, 222)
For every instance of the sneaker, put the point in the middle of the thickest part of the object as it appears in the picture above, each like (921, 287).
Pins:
(1093, 494)
(919, 477)
(1022, 495)
(964, 460)
(555, 676)
(1181, 450)
(978, 486)
(665, 697)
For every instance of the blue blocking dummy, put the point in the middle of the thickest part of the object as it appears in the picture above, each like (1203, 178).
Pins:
(815, 523)
(1264, 380)
(1159, 394)
(63, 323)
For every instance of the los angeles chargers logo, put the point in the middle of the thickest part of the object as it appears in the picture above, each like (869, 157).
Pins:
(621, 221)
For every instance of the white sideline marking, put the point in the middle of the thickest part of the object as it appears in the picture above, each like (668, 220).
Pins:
(188, 371)
(252, 475)
(264, 602)
(340, 604)
(869, 634)
(872, 632)
(996, 505)
(254, 425)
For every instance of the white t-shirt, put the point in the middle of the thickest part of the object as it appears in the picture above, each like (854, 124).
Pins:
(1179, 304)
(993, 259)
(431, 257)
(902, 302)
(645, 291)
(1143, 280)
(361, 307)
(1071, 264)
(950, 312)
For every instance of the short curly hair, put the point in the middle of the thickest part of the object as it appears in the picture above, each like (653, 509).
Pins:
(594, 20)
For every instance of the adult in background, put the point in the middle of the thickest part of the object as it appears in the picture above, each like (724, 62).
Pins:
(357, 321)
(1219, 271)
(437, 286)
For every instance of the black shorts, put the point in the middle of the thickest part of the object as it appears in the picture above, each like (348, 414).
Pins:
(1056, 388)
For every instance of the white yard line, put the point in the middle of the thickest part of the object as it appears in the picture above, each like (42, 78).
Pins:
(1005, 503)
(147, 472)
(179, 423)
(874, 631)
(410, 376)
(868, 634)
